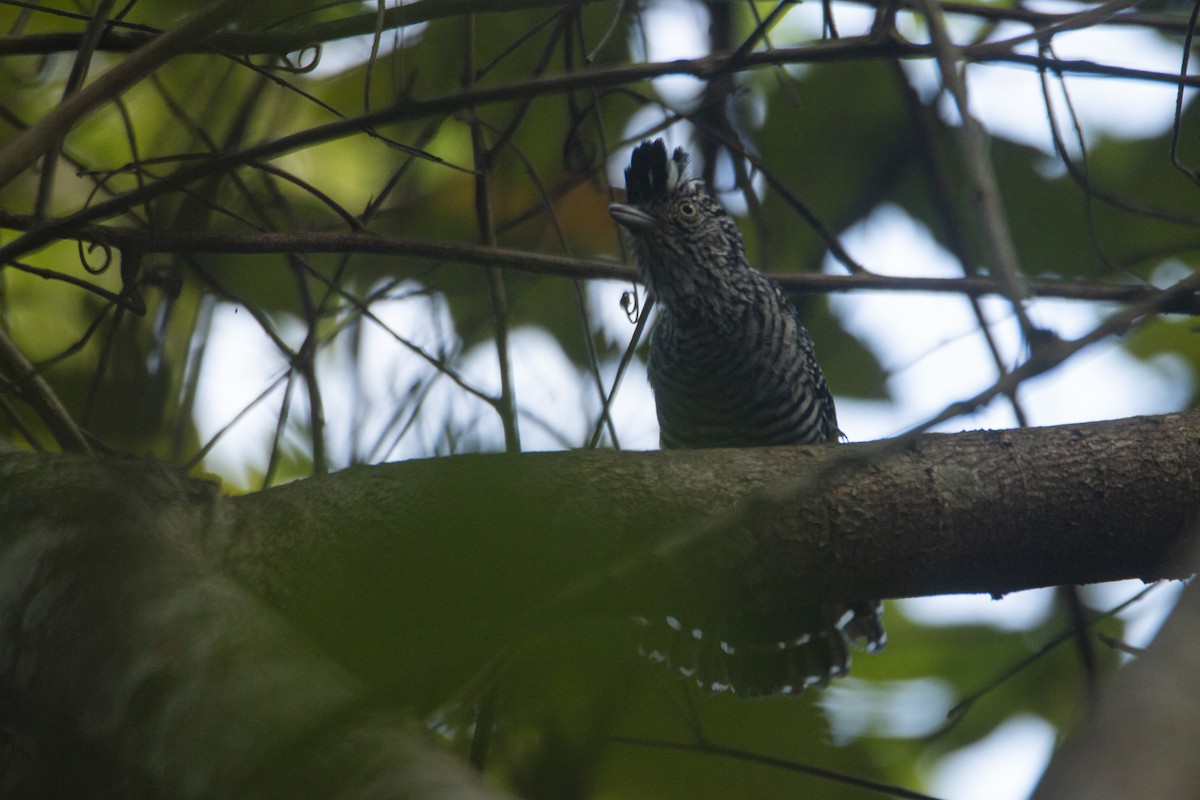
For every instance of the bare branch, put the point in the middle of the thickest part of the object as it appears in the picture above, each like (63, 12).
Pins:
(29, 381)
(977, 160)
(33, 142)
(283, 40)
(150, 241)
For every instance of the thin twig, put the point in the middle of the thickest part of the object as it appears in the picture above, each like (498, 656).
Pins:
(626, 358)
(410, 109)
(978, 162)
(956, 714)
(1177, 125)
(1081, 173)
(37, 392)
(246, 409)
(79, 70)
(281, 419)
(505, 405)
(36, 140)
(1088, 18)
(710, 749)
(126, 37)
(930, 156)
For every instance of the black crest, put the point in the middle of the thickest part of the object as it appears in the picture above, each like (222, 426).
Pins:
(650, 175)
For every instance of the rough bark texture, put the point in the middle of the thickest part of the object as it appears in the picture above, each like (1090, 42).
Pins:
(982, 511)
(437, 557)
(142, 670)
(138, 670)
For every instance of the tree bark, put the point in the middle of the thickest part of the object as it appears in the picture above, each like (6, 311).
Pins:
(123, 638)
(484, 544)
(1141, 741)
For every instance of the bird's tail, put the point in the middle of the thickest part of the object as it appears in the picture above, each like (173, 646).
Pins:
(740, 656)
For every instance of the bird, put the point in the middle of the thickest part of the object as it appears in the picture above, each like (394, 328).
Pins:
(730, 365)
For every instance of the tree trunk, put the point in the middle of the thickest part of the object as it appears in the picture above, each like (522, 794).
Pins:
(1141, 741)
(136, 669)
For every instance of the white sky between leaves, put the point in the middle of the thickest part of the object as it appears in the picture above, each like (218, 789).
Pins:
(929, 344)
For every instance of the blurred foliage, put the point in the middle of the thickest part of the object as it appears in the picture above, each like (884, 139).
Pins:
(844, 137)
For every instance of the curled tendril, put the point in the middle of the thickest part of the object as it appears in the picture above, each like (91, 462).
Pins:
(83, 256)
(297, 65)
(630, 305)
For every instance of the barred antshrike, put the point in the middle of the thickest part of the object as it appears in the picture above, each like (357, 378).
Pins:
(731, 365)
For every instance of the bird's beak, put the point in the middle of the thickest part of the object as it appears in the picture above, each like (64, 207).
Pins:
(632, 217)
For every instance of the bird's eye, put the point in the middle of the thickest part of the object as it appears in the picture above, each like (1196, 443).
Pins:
(687, 209)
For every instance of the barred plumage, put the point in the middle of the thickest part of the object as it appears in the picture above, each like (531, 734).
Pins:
(731, 365)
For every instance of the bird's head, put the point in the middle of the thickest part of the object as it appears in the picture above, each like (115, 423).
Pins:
(684, 241)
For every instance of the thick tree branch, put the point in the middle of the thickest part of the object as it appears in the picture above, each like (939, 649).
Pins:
(123, 643)
(487, 544)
